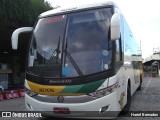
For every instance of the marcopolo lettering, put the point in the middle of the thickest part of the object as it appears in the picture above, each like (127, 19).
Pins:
(46, 90)
(60, 81)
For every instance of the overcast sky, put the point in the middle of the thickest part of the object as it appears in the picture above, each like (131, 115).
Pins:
(143, 17)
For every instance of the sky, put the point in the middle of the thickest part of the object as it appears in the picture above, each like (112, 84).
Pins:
(143, 17)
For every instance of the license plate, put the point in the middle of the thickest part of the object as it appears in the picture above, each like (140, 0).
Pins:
(59, 110)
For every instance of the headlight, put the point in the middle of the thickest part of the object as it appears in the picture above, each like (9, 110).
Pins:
(105, 91)
(30, 93)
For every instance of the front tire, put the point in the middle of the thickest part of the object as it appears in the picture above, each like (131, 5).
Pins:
(126, 108)
(140, 86)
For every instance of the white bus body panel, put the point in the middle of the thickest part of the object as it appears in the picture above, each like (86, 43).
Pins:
(95, 105)
(74, 7)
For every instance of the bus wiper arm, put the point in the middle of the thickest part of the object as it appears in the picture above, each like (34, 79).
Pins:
(57, 52)
(73, 62)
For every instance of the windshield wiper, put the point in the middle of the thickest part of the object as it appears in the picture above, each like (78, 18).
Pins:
(72, 61)
(55, 52)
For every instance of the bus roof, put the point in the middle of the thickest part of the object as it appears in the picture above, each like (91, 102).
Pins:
(74, 7)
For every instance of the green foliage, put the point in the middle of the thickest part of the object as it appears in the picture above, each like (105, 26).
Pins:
(22, 12)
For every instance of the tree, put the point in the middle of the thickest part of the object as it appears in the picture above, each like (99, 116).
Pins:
(22, 12)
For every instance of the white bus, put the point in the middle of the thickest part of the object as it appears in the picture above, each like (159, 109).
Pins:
(83, 61)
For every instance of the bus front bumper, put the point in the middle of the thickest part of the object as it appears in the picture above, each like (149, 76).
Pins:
(104, 107)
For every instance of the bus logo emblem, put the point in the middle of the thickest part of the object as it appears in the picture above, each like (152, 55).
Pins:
(60, 99)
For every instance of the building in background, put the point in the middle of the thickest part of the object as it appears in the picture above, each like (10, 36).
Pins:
(15, 14)
(152, 63)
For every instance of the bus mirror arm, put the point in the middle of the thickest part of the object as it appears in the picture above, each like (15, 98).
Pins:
(115, 27)
(15, 34)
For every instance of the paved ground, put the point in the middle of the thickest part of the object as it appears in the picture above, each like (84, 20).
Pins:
(148, 99)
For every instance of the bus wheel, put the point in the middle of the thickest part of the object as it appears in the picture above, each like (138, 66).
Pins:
(140, 86)
(126, 108)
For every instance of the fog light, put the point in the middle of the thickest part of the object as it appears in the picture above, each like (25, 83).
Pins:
(29, 106)
(103, 109)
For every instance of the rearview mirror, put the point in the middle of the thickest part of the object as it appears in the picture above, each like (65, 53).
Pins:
(15, 34)
(115, 27)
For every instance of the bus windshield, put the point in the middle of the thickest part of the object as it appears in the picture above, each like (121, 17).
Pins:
(71, 45)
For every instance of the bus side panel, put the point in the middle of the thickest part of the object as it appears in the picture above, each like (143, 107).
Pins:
(131, 58)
